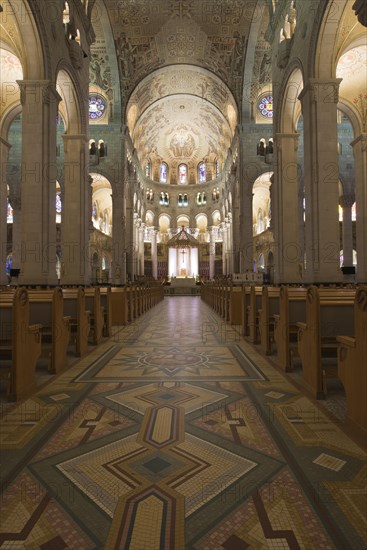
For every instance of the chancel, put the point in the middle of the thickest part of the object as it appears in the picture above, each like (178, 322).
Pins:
(183, 274)
(183, 256)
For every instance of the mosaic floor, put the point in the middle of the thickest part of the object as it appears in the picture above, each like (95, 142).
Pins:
(176, 434)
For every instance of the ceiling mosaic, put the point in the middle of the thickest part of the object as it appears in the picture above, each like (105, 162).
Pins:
(181, 69)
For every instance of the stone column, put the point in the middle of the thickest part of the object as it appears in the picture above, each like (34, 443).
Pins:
(360, 157)
(246, 230)
(118, 275)
(288, 252)
(224, 248)
(4, 151)
(39, 100)
(129, 241)
(136, 264)
(319, 100)
(141, 247)
(76, 213)
(212, 252)
(119, 225)
(230, 244)
(153, 233)
(346, 203)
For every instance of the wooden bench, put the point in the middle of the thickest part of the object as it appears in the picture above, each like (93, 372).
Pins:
(119, 306)
(329, 313)
(246, 290)
(352, 366)
(74, 307)
(96, 316)
(252, 315)
(292, 309)
(106, 302)
(269, 308)
(20, 345)
(235, 303)
(47, 308)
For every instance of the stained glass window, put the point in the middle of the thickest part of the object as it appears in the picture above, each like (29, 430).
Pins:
(9, 217)
(104, 262)
(182, 173)
(202, 172)
(58, 204)
(163, 173)
(94, 211)
(216, 168)
(97, 107)
(266, 106)
(8, 264)
(147, 169)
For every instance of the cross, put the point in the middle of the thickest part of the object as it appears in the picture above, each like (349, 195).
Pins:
(183, 255)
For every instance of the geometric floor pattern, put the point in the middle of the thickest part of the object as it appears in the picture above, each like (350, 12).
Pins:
(177, 434)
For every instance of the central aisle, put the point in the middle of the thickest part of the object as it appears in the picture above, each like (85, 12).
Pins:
(176, 434)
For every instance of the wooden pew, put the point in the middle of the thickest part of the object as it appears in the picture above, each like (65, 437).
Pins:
(235, 315)
(96, 317)
(329, 312)
(47, 308)
(292, 309)
(253, 316)
(269, 307)
(245, 309)
(20, 343)
(352, 366)
(74, 306)
(119, 306)
(106, 302)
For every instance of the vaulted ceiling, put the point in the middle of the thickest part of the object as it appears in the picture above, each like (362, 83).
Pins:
(181, 70)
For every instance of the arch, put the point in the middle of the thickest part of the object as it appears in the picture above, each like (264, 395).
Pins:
(291, 106)
(183, 219)
(29, 37)
(201, 222)
(70, 105)
(101, 207)
(149, 218)
(261, 205)
(216, 217)
(164, 223)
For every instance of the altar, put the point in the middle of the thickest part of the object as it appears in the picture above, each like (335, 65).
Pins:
(183, 258)
(186, 282)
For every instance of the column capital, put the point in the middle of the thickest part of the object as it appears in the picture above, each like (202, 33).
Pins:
(323, 90)
(279, 138)
(346, 201)
(38, 89)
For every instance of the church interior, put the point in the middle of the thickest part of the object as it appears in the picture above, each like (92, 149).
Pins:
(183, 251)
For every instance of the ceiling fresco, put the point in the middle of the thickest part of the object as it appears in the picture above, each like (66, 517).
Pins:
(181, 70)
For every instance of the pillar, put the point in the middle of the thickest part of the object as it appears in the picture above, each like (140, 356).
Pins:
(319, 101)
(224, 247)
(4, 151)
(230, 243)
(360, 161)
(76, 212)
(153, 233)
(212, 252)
(141, 247)
(288, 252)
(119, 225)
(39, 100)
